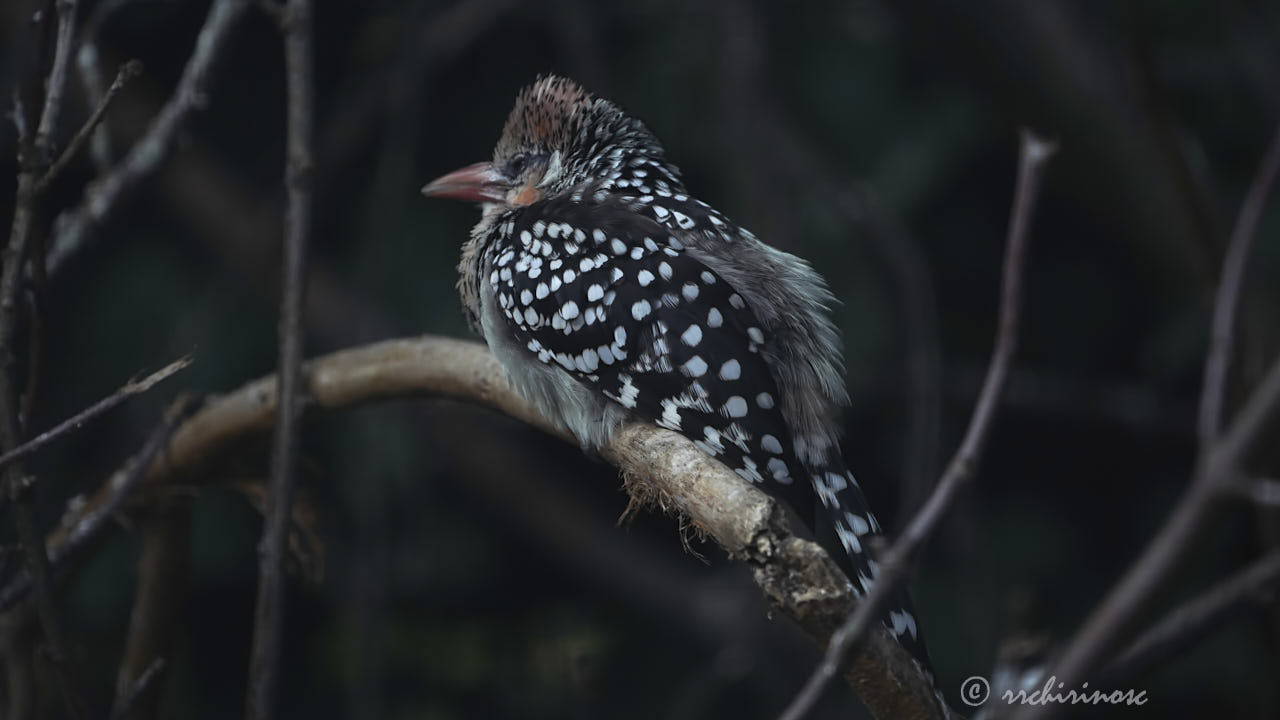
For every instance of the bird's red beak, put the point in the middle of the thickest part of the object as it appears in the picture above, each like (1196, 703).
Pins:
(479, 183)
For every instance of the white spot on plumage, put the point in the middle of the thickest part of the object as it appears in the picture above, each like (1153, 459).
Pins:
(670, 415)
(714, 318)
(692, 336)
(644, 277)
(765, 400)
(640, 309)
(598, 235)
(586, 264)
(595, 292)
(694, 366)
(619, 247)
(531, 317)
(850, 541)
(569, 310)
(628, 393)
(664, 269)
(770, 444)
(736, 301)
(755, 334)
(778, 467)
(730, 370)
(735, 406)
(690, 292)
(659, 211)
(857, 523)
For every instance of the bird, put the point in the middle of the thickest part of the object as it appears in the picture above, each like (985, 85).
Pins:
(609, 293)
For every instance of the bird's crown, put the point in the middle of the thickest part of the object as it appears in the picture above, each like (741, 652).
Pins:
(555, 120)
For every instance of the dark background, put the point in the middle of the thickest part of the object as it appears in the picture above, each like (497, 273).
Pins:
(472, 565)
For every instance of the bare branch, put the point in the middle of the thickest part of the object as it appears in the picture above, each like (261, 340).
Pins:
(107, 403)
(165, 532)
(1198, 618)
(94, 517)
(74, 227)
(57, 82)
(139, 687)
(1263, 491)
(127, 72)
(1222, 333)
(33, 157)
(264, 660)
(1217, 468)
(795, 574)
(897, 561)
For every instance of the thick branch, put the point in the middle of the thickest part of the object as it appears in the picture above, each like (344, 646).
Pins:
(661, 466)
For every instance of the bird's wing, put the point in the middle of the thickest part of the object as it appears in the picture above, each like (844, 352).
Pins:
(610, 297)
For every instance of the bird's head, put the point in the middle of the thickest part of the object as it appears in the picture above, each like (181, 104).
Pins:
(558, 136)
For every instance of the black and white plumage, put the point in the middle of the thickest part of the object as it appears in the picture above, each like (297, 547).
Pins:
(608, 292)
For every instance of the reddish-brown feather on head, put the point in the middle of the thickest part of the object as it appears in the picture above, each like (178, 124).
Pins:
(546, 115)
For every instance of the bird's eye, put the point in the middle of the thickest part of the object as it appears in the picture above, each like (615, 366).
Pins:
(517, 165)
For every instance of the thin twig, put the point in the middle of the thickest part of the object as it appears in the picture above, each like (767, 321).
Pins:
(89, 525)
(73, 228)
(1217, 469)
(93, 411)
(264, 661)
(1197, 618)
(1263, 491)
(91, 80)
(57, 82)
(127, 72)
(1222, 333)
(1035, 152)
(140, 686)
(33, 153)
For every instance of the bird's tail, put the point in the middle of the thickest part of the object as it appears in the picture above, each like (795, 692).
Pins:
(845, 508)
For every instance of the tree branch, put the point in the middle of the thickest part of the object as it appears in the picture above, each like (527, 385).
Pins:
(127, 72)
(264, 660)
(92, 518)
(1216, 473)
(797, 576)
(74, 227)
(57, 82)
(1197, 618)
(896, 563)
(107, 403)
(1234, 263)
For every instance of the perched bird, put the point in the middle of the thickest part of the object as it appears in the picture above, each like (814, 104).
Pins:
(608, 292)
